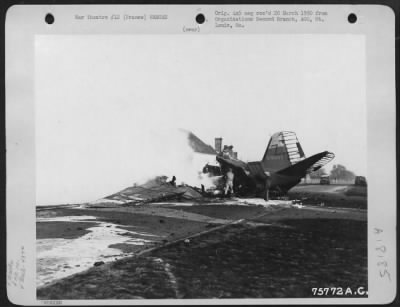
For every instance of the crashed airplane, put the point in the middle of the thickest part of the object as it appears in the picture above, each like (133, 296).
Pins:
(284, 164)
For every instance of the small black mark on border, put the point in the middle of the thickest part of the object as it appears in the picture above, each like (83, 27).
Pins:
(49, 18)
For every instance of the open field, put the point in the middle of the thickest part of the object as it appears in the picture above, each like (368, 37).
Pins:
(350, 196)
(236, 262)
(226, 248)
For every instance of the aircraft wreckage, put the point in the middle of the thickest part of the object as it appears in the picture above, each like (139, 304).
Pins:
(283, 166)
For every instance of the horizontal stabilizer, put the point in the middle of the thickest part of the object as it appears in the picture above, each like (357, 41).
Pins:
(308, 165)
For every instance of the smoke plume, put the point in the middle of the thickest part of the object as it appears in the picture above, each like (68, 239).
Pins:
(88, 170)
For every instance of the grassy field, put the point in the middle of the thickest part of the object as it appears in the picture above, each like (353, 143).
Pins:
(276, 251)
(239, 261)
(348, 196)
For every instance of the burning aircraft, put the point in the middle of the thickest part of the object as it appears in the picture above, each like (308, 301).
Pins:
(283, 165)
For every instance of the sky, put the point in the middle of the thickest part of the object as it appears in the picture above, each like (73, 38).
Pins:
(108, 107)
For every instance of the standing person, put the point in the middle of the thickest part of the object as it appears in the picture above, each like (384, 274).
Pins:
(173, 181)
(225, 152)
(267, 185)
(229, 182)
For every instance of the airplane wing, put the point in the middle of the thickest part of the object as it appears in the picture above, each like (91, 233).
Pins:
(308, 165)
(238, 167)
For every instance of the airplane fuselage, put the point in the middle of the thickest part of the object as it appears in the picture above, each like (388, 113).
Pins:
(282, 167)
(246, 182)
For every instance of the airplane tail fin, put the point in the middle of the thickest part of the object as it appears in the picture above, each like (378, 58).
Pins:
(283, 150)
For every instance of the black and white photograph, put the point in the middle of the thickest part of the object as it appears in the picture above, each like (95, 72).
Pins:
(201, 164)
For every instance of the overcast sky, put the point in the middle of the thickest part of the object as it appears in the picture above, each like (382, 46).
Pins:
(107, 106)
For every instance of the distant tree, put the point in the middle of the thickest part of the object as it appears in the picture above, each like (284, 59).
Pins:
(340, 172)
(318, 173)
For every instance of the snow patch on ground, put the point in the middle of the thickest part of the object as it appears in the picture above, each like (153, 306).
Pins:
(106, 200)
(77, 218)
(258, 202)
(58, 258)
(173, 204)
(238, 202)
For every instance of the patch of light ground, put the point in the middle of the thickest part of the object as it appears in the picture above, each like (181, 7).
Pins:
(58, 258)
(77, 218)
(258, 201)
(106, 200)
(173, 204)
(237, 201)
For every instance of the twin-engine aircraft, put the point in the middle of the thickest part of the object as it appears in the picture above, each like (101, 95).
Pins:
(284, 164)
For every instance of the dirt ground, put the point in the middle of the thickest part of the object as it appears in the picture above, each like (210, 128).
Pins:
(217, 250)
(155, 224)
(65, 230)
